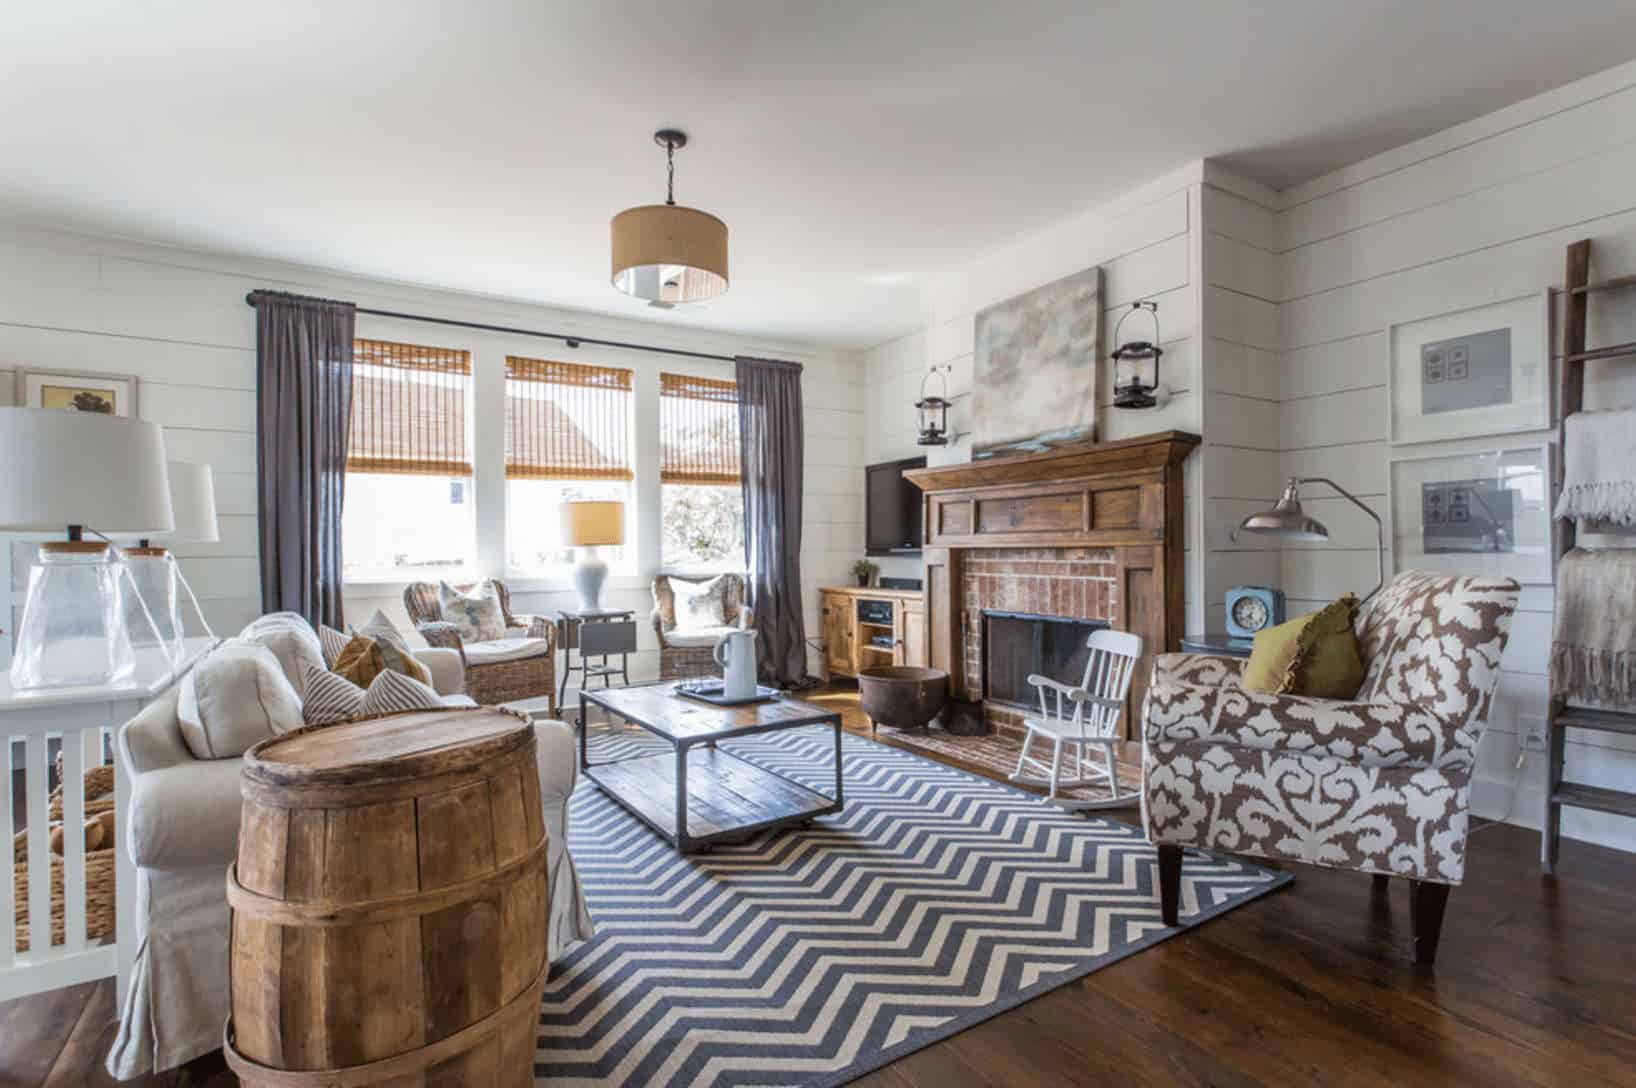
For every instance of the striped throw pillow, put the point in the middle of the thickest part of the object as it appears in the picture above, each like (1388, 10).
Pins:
(393, 692)
(330, 698)
(333, 642)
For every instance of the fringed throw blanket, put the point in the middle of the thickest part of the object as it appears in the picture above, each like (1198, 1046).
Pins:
(1599, 471)
(1593, 648)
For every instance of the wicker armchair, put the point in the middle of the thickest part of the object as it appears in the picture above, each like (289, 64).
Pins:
(690, 654)
(499, 670)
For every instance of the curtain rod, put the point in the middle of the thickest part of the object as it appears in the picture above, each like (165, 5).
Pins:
(571, 341)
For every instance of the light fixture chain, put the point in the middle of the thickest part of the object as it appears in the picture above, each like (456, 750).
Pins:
(670, 172)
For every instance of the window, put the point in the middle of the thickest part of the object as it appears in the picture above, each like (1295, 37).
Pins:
(701, 507)
(408, 511)
(567, 437)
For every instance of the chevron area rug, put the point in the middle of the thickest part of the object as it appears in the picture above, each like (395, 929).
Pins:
(809, 957)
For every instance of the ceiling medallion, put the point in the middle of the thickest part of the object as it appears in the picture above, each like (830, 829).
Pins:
(667, 254)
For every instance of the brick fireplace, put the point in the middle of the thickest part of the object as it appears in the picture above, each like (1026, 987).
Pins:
(1070, 583)
(1086, 532)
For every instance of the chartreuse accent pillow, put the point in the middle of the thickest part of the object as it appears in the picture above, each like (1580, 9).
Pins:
(1315, 655)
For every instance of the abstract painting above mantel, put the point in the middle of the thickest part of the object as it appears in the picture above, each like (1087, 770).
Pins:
(1034, 368)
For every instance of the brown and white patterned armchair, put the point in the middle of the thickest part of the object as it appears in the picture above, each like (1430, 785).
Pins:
(522, 665)
(1379, 784)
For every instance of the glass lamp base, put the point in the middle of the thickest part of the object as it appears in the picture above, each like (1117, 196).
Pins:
(73, 633)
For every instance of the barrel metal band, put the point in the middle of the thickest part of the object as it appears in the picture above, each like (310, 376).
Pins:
(398, 1065)
(284, 913)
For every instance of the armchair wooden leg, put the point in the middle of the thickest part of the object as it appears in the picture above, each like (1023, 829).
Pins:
(1426, 904)
(1170, 882)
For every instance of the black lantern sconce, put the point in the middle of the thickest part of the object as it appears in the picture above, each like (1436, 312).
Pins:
(1129, 390)
(932, 411)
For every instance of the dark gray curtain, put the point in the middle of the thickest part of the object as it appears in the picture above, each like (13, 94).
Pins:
(770, 451)
(303, 414)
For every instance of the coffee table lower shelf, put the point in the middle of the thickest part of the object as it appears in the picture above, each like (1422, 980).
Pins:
(726, 797)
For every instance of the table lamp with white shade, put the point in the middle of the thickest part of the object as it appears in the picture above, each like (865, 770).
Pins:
(154, 570)
(589, 525)
(73, 473)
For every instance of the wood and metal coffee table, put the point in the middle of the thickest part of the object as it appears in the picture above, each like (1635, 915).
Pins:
(697, 794)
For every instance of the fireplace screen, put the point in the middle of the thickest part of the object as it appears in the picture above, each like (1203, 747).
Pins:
(1018, 643)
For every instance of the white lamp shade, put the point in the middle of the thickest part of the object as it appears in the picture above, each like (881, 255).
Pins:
(82, 468)
(590, 524)
(193, 503)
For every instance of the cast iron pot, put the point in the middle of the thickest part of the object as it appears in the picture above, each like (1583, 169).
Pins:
(902, 696)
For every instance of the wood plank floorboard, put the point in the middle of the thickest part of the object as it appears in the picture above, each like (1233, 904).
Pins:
(1535, 985)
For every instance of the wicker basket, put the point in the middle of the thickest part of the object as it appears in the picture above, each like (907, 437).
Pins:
(99, 869)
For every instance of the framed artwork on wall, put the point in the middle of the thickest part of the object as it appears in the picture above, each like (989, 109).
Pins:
(77, 391)
(1473, 372)
(1034, 358)
(1474, 510)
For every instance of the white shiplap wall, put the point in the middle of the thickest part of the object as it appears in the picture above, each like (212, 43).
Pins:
(178, 321)
(1479, 213)
(1147, 245)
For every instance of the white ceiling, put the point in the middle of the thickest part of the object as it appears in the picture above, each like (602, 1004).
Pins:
(853, 147)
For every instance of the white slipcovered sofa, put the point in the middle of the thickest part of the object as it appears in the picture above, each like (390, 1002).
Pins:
(183, 833)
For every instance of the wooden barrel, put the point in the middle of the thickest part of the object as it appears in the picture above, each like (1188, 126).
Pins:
(389, 904)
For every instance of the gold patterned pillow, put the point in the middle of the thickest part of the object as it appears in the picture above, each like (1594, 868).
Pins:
(476, 615)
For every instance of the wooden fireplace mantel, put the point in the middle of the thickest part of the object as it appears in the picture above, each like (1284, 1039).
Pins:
(1123, 496)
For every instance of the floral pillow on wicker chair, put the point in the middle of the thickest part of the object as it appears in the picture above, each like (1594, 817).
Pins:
(476, 615)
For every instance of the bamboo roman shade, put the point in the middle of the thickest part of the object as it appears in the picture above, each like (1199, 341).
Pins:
(698, 430)
(567, 421)
(409, 409)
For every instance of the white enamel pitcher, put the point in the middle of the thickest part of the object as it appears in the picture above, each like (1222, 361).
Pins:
(735, 652)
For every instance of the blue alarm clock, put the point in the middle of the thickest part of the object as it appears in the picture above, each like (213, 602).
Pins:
(1252, 609)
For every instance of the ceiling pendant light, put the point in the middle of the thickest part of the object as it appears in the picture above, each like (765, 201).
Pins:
(667, 254)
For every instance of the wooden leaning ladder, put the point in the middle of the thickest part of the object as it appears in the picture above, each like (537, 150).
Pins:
(1576, 294)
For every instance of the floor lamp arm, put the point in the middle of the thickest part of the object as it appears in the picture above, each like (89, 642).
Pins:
(1380, 527)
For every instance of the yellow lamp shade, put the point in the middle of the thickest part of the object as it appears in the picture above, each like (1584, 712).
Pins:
(592, 524)
(669, 254)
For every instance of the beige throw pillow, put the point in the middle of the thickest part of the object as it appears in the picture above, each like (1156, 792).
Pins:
(476, 615)
(237, 695)
(700, 604)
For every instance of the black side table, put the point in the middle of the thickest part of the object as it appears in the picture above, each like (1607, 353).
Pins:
(598, 634)
(1219, 643)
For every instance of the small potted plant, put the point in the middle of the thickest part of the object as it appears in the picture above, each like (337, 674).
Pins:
(864, 571)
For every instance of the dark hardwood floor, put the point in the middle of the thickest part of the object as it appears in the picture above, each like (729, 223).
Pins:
(1535, 985)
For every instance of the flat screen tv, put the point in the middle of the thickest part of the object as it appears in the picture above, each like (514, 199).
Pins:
(892, 508)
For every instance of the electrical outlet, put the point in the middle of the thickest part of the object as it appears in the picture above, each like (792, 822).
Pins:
(1534, 741)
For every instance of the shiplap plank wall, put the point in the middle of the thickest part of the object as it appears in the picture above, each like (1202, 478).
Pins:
(178, 321)
(1478, 214)
(1147, 245)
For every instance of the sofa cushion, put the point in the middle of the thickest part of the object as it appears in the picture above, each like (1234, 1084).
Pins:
(235, 696)
(291, 639)
(505, 649)
(698, 636)
(476, 615)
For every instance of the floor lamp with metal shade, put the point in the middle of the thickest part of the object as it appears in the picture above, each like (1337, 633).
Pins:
(1287, 521)
(78, 474)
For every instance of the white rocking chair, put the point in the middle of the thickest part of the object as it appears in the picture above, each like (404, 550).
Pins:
(1096, 707)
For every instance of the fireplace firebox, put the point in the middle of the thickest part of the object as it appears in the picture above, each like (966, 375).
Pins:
(1016, 644)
